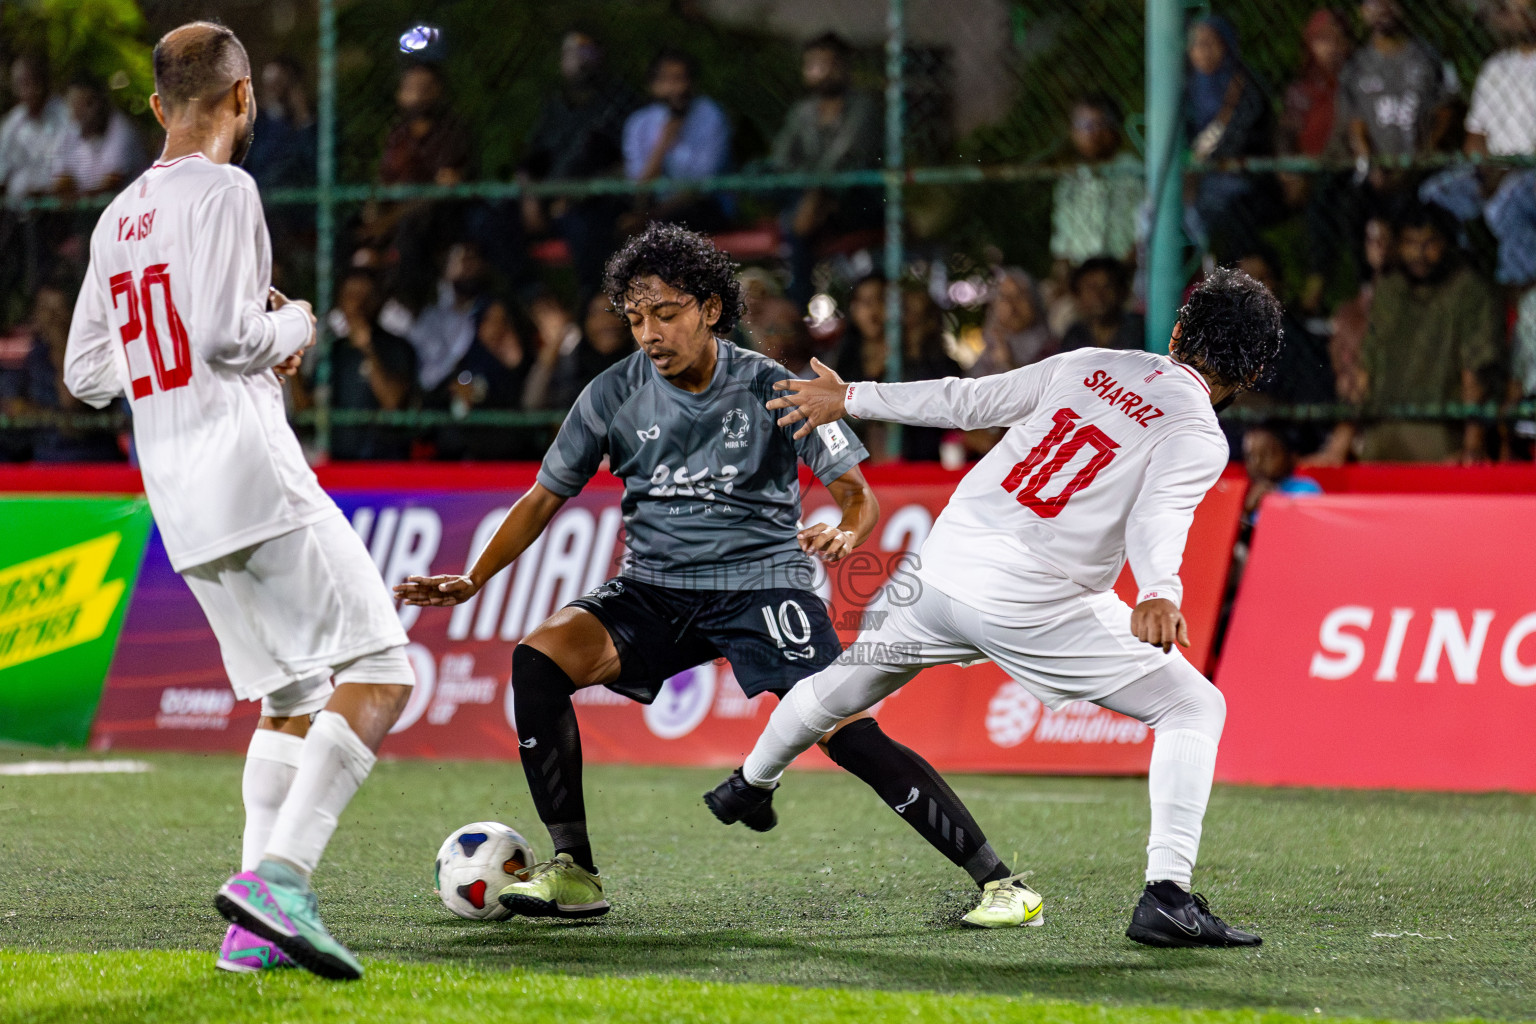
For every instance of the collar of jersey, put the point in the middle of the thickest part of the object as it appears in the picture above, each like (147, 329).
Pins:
(173, 163)
(722, 358)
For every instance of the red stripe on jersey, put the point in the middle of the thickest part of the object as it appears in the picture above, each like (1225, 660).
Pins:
(1193, 374)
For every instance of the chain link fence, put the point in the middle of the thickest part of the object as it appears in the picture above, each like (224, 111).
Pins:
(448, 185)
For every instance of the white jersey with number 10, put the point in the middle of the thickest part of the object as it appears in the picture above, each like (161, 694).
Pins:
(173, 314)
(1106, 457)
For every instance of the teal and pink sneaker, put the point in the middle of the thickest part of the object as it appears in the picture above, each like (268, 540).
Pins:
(245, 952)
(276, 902)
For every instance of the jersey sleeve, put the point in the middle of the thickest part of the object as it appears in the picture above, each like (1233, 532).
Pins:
(1181, 469)
(228, 325)
(1000, 400)
(90, 367)
(830, 450)
(581, 443)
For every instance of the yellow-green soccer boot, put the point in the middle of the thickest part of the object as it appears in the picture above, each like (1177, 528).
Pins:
(556, 888)
(1006, 903)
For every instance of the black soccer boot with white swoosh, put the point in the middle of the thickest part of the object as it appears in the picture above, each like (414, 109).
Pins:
(1169, 916)
(736, 799)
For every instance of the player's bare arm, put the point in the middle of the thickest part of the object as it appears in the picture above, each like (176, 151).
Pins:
(816, 401)
(525, 521)
(861, 510)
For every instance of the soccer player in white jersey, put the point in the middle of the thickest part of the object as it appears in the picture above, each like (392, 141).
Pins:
(1107, 455)
(174, 315)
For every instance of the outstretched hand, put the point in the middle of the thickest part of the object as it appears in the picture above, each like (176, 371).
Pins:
(436, 591)
(1160, 623)
(816, 401)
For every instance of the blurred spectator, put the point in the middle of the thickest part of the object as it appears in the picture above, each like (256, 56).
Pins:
(862, 351)
(283, 155)
(1227, 116)
(1014, 332)
(1093, 207)
(284, 152)
(1436, 336)
(1393, 99)
(680, 136)
(371, 369)
(1501, 122)
(1309, 127)
(1352, 318)
(29, 134)
(1304, 372)
(1100, 288)
(31, 130)
(100, 150)
(444, 331)
(923, 358)
(428, 145)
(571, 356)
(781, 334)
(493, 374)
(1269, 455)
(579, 134)
(38, 387)
(836, 128)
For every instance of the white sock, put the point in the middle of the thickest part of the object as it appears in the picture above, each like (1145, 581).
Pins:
(270, 764)
(1183, 764)
(333, 763)
(795, 725)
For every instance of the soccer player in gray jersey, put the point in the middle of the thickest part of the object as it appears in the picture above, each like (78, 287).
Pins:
(717, 563)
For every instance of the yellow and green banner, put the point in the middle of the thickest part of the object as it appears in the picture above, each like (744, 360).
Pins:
(67, 569)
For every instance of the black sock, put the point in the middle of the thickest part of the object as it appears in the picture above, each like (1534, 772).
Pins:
(917, 793)
(550, 747)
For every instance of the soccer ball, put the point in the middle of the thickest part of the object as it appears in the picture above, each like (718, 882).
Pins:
(475, 863)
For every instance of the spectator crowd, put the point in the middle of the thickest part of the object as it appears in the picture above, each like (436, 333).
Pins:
(1407, 276)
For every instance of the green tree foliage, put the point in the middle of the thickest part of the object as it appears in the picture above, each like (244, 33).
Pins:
(106, 39)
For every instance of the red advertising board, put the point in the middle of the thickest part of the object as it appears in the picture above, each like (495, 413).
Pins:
(1385, 641)
(167, 686)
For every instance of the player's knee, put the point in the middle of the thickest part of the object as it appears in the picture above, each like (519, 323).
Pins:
(1201, 707)
(838, 743)
(533, 670)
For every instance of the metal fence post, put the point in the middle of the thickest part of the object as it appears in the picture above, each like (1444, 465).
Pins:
(1165, 166)
(895, 168)
(325, 221)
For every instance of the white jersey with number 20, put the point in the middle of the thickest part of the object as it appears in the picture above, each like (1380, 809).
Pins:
(173, 314)
(1106, 457)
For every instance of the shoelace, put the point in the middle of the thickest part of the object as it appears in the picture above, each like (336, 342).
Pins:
(542, 868)
(998, 898)
(1206, 908)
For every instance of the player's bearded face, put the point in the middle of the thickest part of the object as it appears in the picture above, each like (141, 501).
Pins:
(242, 147)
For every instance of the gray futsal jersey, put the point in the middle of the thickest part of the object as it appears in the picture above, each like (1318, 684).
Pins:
(711, 482)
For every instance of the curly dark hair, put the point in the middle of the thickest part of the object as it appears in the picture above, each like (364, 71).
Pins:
(1230, 329)
(686, 260)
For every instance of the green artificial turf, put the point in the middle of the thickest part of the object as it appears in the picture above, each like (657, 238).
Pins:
(1383, 905)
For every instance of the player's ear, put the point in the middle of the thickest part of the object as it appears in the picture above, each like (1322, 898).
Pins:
(154, 104)
(712, 308)
(245, 96)
(1178, 333)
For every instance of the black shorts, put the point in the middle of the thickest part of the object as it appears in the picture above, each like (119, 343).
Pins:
(772, 638)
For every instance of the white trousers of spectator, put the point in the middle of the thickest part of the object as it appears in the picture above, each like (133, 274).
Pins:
(1078, 648)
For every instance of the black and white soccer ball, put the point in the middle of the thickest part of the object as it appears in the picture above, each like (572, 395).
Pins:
(475, 863)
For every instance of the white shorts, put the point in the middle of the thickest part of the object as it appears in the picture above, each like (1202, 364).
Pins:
(1061, 650)
(294, 608)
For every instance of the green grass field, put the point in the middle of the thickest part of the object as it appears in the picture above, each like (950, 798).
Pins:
(1378, 905)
